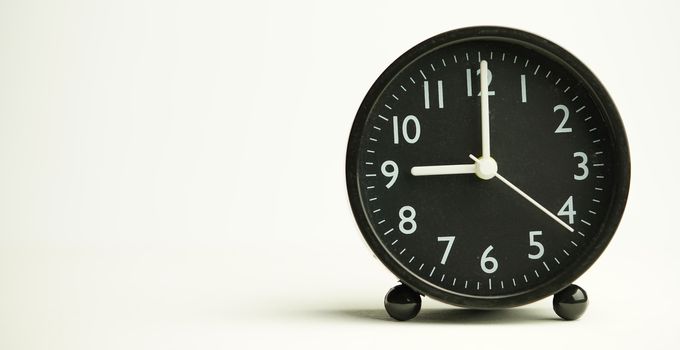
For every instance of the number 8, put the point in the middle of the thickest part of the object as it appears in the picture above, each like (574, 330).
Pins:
(410, 219)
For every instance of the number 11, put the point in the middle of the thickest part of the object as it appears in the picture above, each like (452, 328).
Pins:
(440, 93)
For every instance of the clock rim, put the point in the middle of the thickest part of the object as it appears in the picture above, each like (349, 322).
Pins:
(601, 99)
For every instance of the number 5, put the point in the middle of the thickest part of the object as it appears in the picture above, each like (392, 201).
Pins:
(533, 243)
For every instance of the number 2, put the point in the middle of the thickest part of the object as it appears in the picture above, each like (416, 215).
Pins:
(561, 129)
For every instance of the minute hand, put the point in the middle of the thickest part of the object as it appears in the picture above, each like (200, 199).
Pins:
(531, 200)
(484, 82)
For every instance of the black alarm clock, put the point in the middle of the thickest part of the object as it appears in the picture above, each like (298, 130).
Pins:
(487, 167)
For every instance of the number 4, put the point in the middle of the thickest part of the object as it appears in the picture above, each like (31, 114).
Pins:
(568, 210)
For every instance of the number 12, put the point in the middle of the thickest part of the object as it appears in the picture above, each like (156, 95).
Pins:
(468, 74)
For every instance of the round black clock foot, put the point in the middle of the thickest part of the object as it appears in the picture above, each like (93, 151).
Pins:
(402, 303)
(570, 303)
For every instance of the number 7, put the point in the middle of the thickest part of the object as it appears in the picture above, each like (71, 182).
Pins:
(450, 240)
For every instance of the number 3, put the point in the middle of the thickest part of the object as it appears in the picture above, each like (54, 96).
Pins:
(582, 165)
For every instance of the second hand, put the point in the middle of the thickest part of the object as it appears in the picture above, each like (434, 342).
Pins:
(526, 196)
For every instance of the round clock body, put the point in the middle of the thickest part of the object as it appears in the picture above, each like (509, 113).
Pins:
(541, 217)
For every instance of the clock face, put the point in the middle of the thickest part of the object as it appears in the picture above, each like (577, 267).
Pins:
(487, 218)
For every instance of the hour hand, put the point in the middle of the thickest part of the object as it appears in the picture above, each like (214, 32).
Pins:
(451, 169)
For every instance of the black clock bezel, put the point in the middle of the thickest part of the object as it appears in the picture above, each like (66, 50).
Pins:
(621, 161)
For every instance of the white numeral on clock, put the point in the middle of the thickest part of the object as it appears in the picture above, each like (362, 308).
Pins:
(534, 243)
(404, 129)
(392, 174)
(568, 209)
(440, 93)
(561, 128)
(582, 165)
(407, 224)
(486, 260)
(449, 240)
(468, 75)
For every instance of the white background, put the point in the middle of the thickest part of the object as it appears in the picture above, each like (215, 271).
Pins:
(172, 175)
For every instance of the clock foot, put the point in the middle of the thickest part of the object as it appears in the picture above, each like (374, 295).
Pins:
(570, 303)
(402, 303)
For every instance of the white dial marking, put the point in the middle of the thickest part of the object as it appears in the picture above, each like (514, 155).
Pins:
(440, 93)
(426, 93)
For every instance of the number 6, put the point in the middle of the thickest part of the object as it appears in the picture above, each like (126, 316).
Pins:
(488, 260)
